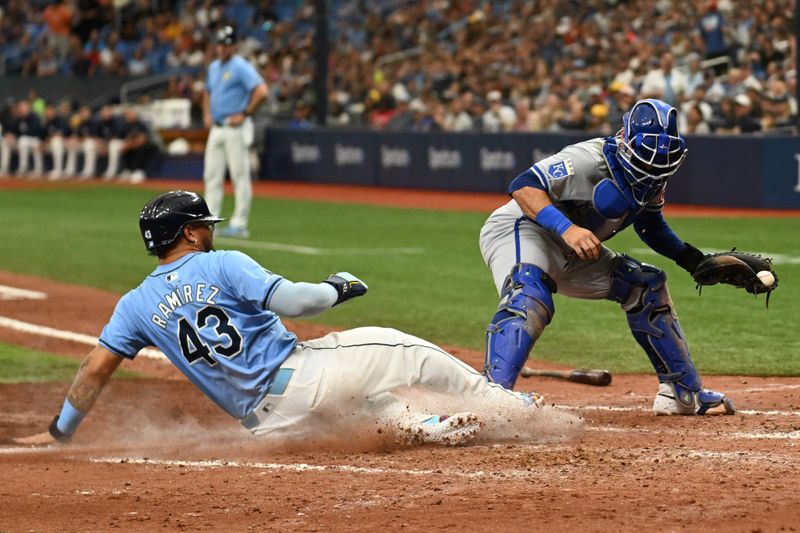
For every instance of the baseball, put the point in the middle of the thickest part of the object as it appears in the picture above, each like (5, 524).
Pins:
(766, 277)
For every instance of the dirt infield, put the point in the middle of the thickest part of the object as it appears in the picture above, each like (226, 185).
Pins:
(155, 453)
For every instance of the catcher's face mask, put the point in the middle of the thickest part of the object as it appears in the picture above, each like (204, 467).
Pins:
(650, 148)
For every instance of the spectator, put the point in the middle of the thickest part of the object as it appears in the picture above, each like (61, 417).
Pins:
(402, 118)
(457, 117)
(571, 117)
(301, 118)
(622, 99)
(499, 117)
(695, 75)
(422, 120)
(724, 119)
(524, 115)
(665, 83)
(695, 122)
(746, 122)
(138, 64)
(778, 116)
(711, 36)
(738, 116)
(58, 17)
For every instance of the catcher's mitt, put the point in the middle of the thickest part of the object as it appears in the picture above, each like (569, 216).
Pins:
(739, 269)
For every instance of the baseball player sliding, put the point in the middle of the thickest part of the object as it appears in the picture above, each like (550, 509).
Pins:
(549, 237)
(215, 316)
(234, 90)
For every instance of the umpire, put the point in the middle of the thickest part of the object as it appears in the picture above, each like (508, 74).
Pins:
(234, 90)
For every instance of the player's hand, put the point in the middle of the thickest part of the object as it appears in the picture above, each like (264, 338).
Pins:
(584, 242)
(40, 439)
(346, 285)
(207, 121)
(235, 120)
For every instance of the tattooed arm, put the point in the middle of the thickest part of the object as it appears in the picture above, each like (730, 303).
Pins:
(93, 374)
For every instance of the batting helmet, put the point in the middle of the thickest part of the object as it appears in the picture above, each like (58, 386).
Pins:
(163, 218)
(226, 35)
(650, 147)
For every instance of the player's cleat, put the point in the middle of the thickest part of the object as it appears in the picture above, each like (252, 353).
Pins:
(233, 232)
(532, 399)
(703, 402)
(447, 430)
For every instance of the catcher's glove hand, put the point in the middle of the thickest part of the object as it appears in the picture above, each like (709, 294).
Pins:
(739, 269)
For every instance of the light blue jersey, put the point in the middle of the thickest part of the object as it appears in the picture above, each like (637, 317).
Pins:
(208, 312)
(230, 85)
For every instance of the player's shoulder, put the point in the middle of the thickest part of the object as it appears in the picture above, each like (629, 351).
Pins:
(229, 259)
(585, 157)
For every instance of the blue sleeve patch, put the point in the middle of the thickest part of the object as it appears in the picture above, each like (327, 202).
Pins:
(561, 169)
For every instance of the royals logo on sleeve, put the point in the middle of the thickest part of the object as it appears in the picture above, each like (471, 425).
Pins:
(561, 169)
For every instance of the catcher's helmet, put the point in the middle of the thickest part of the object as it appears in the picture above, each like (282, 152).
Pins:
(226, 35)
(650, 147)
(163, 218)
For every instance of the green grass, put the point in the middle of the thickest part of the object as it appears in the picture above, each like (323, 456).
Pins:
(445, 294)
(19, 365)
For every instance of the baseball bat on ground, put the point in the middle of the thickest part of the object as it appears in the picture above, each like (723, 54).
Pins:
(598, 378)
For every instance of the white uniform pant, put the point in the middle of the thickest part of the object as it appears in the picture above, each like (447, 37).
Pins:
(363, 366)
(229, 146)
(92, 147)
(58, 146)
(28, 146)
(6, 146)
(505, 241)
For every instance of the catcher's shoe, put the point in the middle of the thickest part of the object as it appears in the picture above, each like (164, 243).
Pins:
(668, 402)
(447, 430)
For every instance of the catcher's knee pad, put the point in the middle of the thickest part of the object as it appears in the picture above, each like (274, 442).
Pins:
(526, 307)
(642, 291)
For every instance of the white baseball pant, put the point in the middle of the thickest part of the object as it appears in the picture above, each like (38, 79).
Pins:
(6, 146)
(27, 146)
(59, 145)
(348, 369)
(229, 146)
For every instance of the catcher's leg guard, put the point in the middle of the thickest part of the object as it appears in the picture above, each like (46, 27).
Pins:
(641, 289)
(526, 307)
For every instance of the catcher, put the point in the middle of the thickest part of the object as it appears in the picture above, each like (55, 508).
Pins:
(549, 237)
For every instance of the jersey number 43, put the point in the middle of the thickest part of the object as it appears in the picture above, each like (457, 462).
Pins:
(192, 346)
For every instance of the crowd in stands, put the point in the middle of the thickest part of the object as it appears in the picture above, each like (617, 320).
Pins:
(453, 65)
(72, 141)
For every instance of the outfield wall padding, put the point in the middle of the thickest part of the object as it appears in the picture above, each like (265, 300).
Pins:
(731, 171)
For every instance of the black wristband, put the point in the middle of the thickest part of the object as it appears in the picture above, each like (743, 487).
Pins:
(689, 258)
(56, 433)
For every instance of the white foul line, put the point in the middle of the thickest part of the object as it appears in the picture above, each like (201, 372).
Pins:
(752, 435)
(45, 331)
(621, 408)
(15, 293)
(305, 467)
(311, 250)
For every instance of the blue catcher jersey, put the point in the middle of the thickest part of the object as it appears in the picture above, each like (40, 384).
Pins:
(208, 312)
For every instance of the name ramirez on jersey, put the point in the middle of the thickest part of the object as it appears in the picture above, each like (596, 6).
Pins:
(189, 293)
